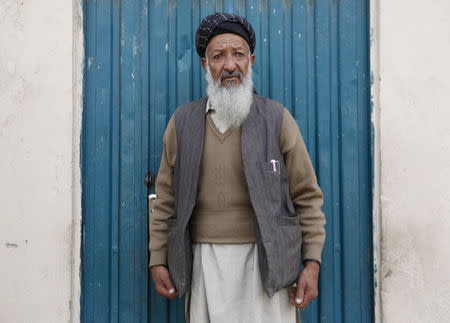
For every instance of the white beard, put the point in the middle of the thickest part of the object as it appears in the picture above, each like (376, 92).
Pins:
(231, 104)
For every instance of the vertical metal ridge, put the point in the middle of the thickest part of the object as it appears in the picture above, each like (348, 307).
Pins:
(341, 172)
(116, 149)
(311, 88)
(287, 47)
(171, 47)
(364, 155)
(160, 78)
(146, 149)
(324, 136)
(265, 50)
(269, 56)
(336, 156)
(191, 74)
(358, 161)
(173, 53)
(242, 8)
(293, 105)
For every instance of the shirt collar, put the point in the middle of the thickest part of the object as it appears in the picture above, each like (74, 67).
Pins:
(208, 106)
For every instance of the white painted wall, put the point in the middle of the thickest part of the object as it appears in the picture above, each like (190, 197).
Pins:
(39, 167)
(414, 133)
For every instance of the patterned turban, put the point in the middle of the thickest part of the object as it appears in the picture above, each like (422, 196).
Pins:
(221, 23)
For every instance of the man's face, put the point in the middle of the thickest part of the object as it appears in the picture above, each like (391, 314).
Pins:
(227, 56)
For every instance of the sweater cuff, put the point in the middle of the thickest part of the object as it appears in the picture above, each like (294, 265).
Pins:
(312, 252)
(158, 257)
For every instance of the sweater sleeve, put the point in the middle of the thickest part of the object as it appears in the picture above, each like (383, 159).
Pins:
(165, 200)
(304, 190)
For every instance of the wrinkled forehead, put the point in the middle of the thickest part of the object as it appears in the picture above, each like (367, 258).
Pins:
(227, 41)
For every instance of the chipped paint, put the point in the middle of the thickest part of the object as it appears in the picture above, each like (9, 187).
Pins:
(90, 60)
(135, 46)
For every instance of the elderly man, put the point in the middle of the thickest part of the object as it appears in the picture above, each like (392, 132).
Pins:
(238, 205)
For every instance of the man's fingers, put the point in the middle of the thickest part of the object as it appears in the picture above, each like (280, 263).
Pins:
(163, 283)
(300, 294)
(162, 290)
(167, 282)
(308, 297)
(306, 287)
(306, 300)
(291, 293)
(165, 290)
(168, 289)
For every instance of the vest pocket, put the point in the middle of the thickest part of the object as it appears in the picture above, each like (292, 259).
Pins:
(288, 220)
(175, 252)
(271, 167)
(171, 232)
(269, 187)
(289, 244)
(171, 221)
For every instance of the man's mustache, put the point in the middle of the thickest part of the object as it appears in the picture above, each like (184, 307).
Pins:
(226, 74)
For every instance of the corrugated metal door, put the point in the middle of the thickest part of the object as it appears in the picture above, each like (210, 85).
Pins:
(140, 64)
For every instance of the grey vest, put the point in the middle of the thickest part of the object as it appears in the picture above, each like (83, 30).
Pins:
(278, 232)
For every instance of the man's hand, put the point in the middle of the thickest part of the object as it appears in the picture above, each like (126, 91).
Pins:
(163, 283)
(307, 286)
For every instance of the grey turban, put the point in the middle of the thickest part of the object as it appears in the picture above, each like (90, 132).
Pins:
(221, 23)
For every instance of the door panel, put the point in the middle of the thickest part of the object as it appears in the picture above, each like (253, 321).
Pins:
(140, 64)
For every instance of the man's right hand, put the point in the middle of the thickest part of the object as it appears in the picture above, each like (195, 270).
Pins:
(163, 283)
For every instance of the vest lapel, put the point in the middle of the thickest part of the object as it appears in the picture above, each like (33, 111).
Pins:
(193, 135)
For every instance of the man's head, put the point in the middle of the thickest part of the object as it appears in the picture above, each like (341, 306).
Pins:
(225, 42)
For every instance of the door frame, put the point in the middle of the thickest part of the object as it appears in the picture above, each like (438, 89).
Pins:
(77, 96)
(77, 99)
(374, 63)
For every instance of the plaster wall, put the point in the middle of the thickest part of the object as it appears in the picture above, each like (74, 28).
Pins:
(39, 169)
(414, 137)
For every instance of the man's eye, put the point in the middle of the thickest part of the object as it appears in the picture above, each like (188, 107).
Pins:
(217, 56)
(239, 54)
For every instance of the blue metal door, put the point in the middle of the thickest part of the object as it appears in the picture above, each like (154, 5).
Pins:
(140, 64)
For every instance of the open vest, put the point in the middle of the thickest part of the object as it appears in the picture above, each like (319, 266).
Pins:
(278, 234)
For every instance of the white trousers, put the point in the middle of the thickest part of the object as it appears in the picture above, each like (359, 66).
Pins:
(226, 287)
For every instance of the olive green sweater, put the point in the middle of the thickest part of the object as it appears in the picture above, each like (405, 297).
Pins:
(223, 211)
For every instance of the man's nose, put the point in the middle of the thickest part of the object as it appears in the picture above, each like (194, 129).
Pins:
(230, 64)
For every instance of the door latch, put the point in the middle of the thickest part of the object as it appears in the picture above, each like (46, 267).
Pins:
(149, 179)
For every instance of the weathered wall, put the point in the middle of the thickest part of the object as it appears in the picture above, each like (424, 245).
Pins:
(37, 160)
(414, 116)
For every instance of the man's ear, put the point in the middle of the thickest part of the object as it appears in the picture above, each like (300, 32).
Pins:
(252, 58)
(204, 63)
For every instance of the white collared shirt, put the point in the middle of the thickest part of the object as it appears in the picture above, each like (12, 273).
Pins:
(221, 123)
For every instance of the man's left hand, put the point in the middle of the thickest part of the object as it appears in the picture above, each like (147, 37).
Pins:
(307, 286)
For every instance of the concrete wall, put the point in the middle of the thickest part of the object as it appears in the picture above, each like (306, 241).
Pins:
(39, 166)
(414, 137)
